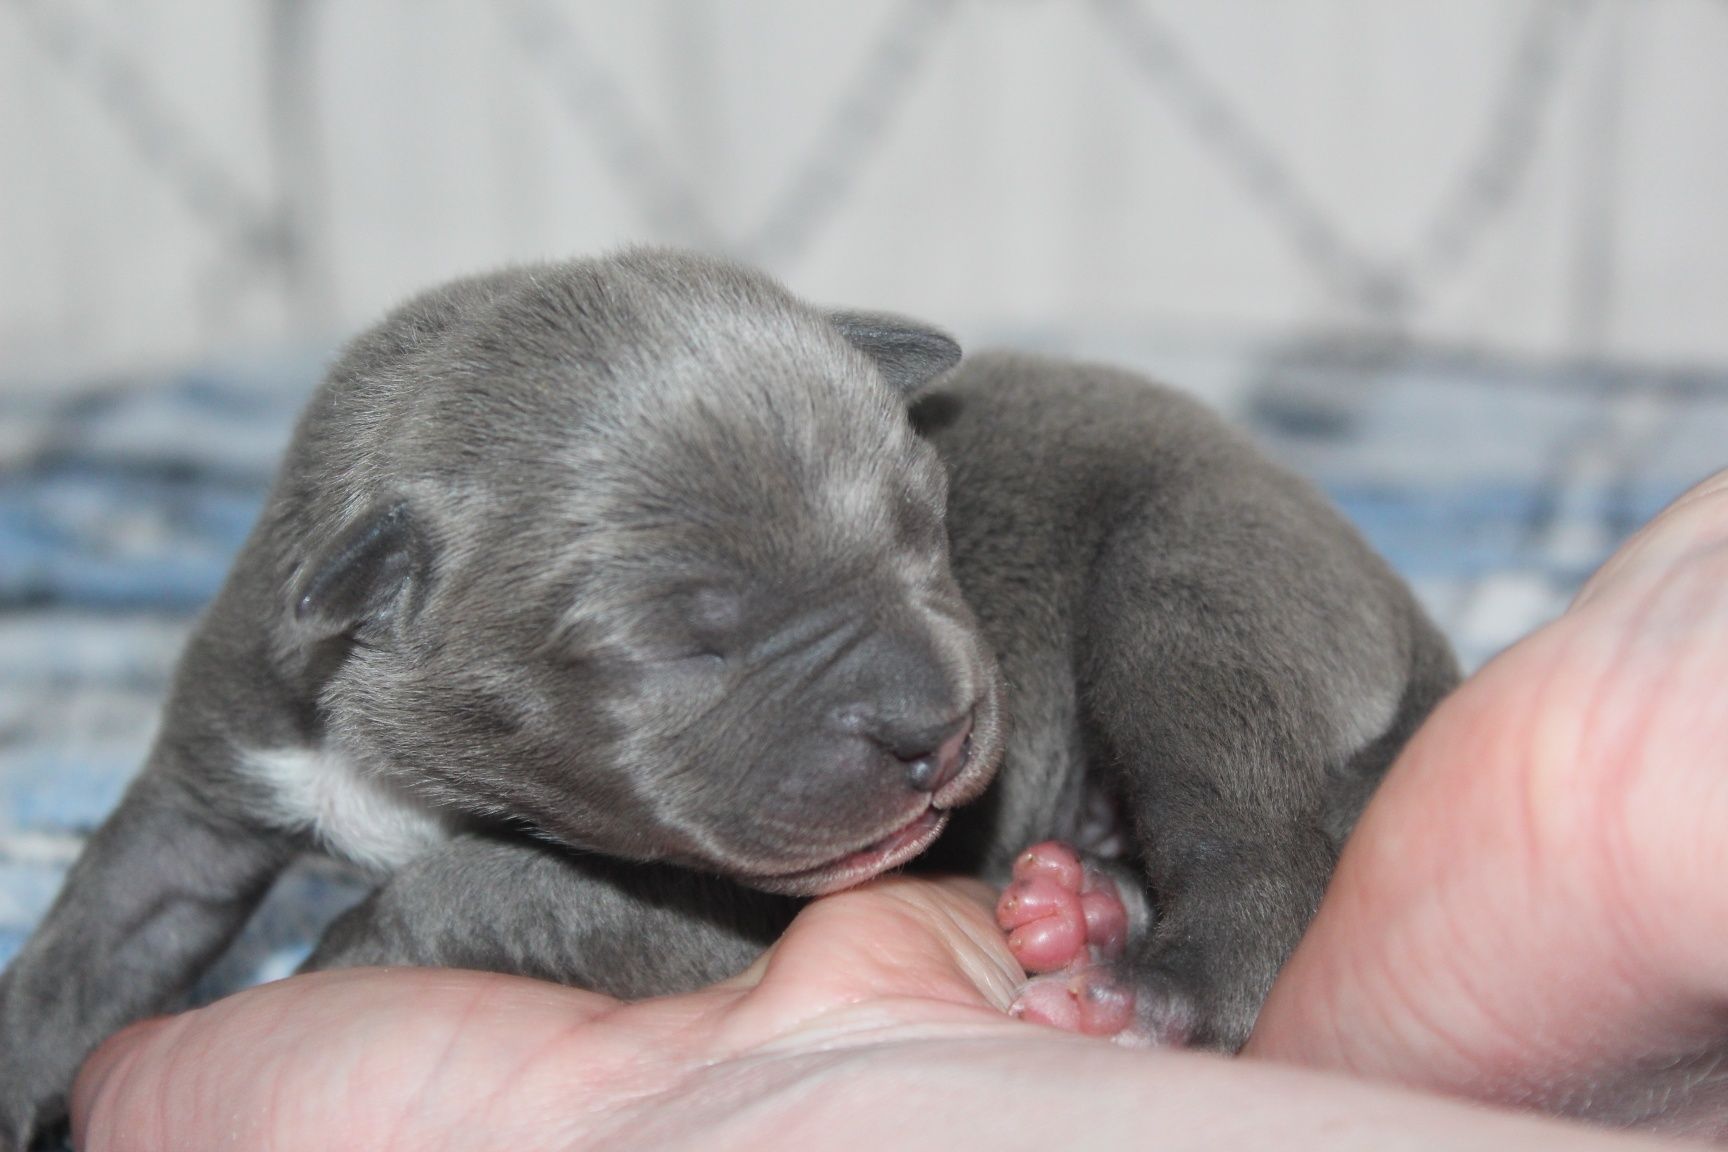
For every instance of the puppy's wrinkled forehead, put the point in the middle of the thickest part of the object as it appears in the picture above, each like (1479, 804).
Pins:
(683, 412)
(747, 439)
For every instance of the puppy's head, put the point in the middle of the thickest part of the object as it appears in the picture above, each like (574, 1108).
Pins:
(645, 554)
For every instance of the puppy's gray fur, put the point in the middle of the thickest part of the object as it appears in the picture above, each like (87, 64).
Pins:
(605, 608)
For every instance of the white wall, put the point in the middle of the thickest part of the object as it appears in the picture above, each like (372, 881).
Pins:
(1224, 168)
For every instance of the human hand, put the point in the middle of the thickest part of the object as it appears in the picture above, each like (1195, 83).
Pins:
(1532, 908)
(876, 1023)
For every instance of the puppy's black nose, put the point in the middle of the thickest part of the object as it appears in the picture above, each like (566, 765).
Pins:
(934, 756)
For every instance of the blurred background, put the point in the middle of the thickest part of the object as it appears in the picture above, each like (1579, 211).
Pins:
(1465, 262)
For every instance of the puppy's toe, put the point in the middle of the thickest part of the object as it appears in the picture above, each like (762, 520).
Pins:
(1061, 912)
(1090, 1001)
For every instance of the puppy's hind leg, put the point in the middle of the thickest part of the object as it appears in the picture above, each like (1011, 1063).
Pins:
(1209, 711)
(1234, 871)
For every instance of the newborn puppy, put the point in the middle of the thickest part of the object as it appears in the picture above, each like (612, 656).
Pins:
(593, 601)
(605, 608)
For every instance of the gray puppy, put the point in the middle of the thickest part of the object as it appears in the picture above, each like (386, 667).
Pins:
(605, 609)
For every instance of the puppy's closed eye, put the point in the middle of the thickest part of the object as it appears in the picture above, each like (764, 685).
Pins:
(713, 612)
(697, 625)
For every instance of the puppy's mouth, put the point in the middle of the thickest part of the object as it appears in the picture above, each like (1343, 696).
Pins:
(873, 859)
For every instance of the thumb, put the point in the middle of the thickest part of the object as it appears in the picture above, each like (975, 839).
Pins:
(395, 1058)
(102, 1081)
(1530, 909)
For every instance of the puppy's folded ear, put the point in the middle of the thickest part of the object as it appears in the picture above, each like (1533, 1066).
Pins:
(909, 354)
(364, 575)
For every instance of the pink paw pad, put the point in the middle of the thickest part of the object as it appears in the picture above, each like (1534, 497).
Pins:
(1089, 1001)
(1059, 913)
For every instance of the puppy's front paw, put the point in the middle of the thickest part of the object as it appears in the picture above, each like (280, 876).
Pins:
(1072, 920)
(1061, 911)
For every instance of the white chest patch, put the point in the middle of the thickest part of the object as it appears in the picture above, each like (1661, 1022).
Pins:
(361, 818)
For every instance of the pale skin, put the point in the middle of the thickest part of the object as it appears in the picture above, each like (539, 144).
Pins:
(1530, 914)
